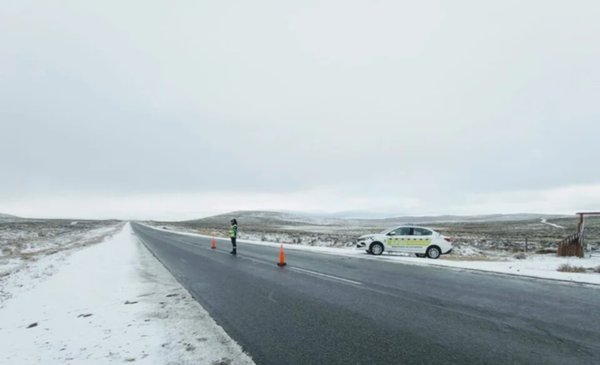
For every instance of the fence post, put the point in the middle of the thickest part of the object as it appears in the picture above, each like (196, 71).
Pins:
(526, 249)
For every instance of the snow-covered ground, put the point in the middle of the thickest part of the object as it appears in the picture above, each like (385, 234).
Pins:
(111, 302)
(542, 266)
(535, 265)
(22, 268)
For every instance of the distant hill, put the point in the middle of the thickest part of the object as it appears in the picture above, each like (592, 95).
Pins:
(271, 218)
(8, 216)
(474, 218)
(265, 217)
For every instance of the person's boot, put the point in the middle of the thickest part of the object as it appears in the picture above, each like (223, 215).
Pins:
(233, 252)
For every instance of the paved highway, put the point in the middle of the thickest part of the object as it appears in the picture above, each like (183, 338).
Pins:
(327, 309)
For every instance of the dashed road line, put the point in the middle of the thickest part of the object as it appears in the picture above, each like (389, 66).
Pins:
(316, 273)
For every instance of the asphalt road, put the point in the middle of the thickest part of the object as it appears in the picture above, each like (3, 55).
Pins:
(327, 309)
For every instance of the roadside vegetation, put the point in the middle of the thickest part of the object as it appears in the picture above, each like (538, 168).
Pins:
(29, 237)
(571, 268)
(23, 242)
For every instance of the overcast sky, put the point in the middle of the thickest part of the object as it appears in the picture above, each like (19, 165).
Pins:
(182, 109)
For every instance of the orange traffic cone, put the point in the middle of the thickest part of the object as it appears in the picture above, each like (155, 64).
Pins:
(213, 243)
(281, 257)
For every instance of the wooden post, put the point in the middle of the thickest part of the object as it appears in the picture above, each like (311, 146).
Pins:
(525, 244)
(580, 228)
(574, 245)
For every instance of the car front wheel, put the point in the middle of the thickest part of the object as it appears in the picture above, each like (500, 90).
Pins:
(376, 248)
(433, 252)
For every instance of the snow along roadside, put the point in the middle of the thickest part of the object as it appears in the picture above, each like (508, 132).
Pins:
(112, 303)
(534, 266)
(22, 272)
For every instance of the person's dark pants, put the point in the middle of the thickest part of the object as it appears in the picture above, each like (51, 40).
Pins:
(233, 239)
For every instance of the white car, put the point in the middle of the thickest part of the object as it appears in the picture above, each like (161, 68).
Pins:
(410, 239)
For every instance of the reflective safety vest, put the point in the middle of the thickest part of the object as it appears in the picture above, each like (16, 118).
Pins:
(233, 231)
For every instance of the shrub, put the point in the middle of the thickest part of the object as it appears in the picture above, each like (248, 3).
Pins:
(546, 250)
(520, 256)
(571, 268)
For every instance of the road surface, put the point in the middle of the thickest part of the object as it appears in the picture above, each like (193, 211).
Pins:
(328, 309)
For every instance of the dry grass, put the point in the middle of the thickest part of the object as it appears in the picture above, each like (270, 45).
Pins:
(571, 268)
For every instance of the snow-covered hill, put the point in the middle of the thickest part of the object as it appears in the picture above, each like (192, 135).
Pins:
(7, 216)
(341, 219)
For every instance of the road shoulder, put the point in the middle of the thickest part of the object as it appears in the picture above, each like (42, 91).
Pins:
(112, 303)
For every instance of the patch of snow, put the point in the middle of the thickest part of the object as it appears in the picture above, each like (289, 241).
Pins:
(67, 241)
(112, 302)
(536, 266)
(467, 251)
(545, 221)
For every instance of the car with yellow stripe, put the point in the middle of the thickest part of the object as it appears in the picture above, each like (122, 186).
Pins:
(422, 241)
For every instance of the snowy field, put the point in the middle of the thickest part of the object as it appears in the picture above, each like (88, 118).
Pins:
(111, 302)
(23, 242)
(542, 266)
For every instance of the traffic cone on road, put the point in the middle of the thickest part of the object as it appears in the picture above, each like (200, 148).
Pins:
(213, 243)
(281, 257)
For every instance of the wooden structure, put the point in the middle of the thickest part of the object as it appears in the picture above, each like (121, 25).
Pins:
(574, 244)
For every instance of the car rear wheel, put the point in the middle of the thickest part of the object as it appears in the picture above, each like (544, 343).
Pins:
(376, 248)
(433, 252)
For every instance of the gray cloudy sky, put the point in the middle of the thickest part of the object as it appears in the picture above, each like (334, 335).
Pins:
(180, 109)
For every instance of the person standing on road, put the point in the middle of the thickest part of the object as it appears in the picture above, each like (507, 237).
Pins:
(233, 235)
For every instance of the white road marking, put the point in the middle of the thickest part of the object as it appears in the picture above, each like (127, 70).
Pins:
(271, 296)
(316, 273)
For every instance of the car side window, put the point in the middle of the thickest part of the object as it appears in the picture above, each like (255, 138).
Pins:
(422, 232)
(409, 231)
(402, 231)
(406, 231)
(395, 232)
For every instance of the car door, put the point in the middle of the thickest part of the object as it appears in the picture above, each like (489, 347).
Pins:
(397, 238)
(420, 239)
